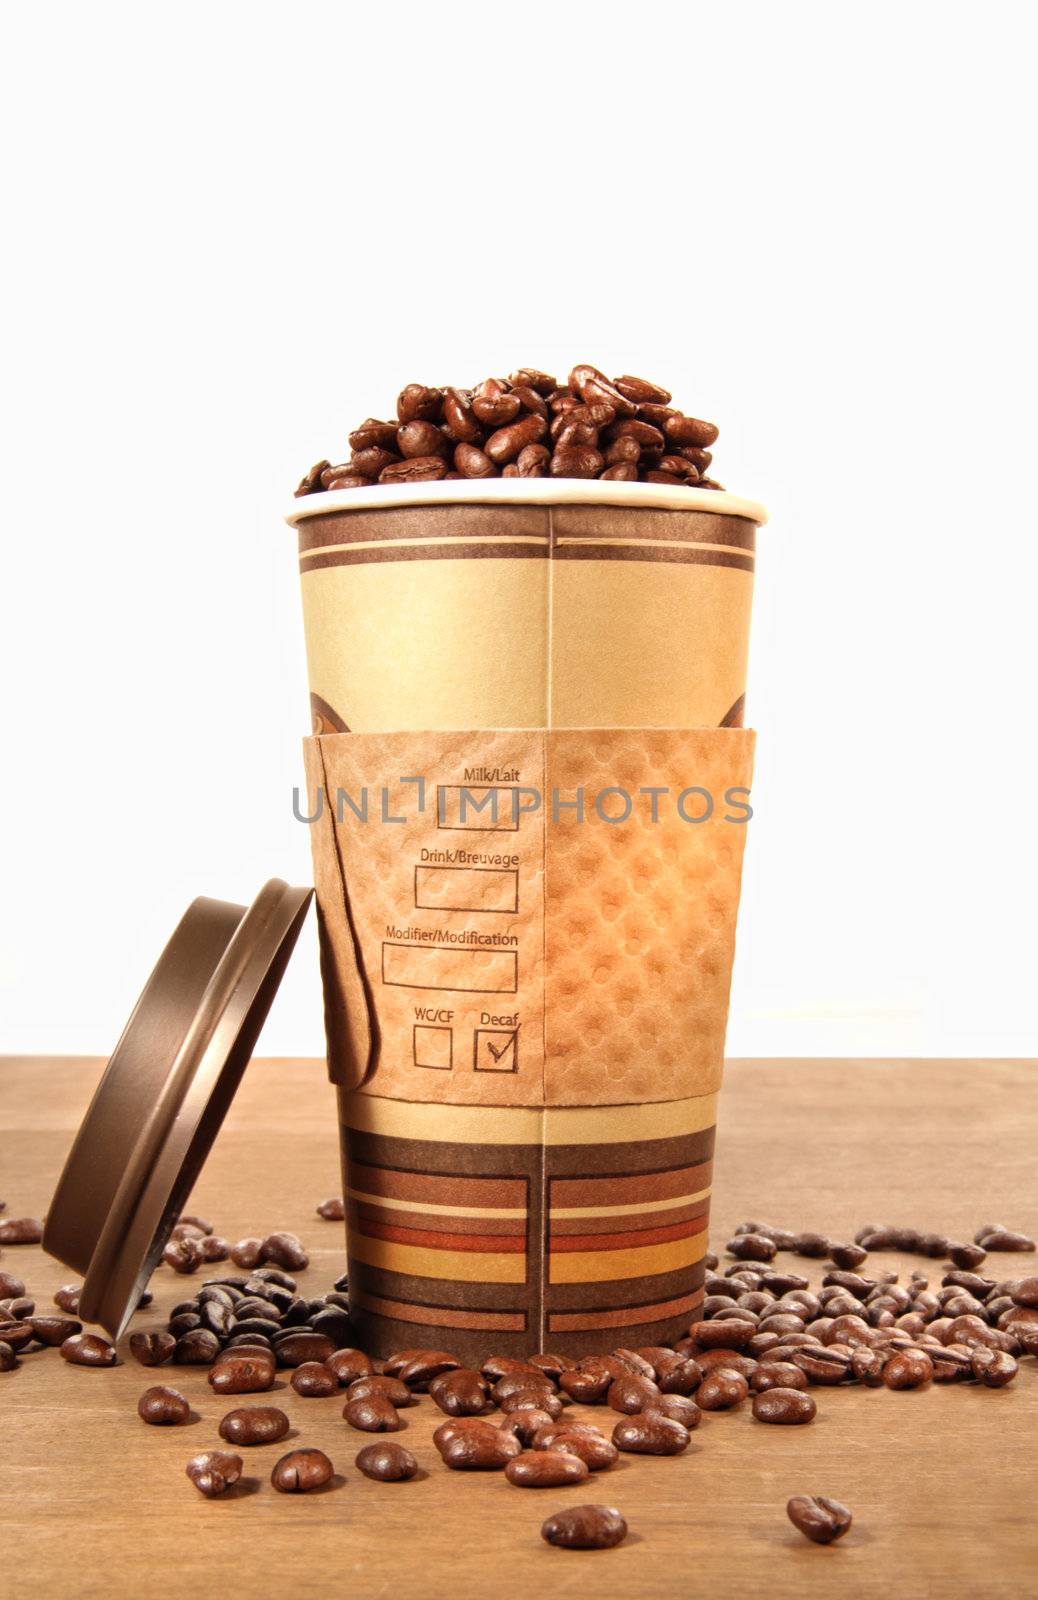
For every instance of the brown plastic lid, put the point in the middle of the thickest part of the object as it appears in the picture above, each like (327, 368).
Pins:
(165, 1093)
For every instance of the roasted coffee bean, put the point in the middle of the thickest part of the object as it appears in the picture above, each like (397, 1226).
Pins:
(368, 464)
(387, 1463)
(163, 1407)
(526, 1422)
(506, 443)
(67, 1298)
(732, 1332)
(425, 1365)
(331, 1322)
(823, 1364)
(683, 1378)
(751, 1247)
(237, 1373)
(731, 1360)
(966, 1256)
(292, 1348)
(593, 1448)
(212, 1248)
(908, 1369)
(182, 1322)
(310, 482)
(372, 1413)
(531, 1380)
(459, 420)
(777, 1375)
(867, 1366)
(533, 461)
(951, 1364)
(214, 1471)
(314, 1380)
(546, 1469)
(680, 1409)
(550, 1363)
(11, 1288)
(348, 1365)
(997, 1238)
(85, 1350)
(420, 439)
(690, 430)
(532, 1399)
(784, 1406)
(254, 1425)
(970, 1331)
(721, 1390)
(247, 1253)
(198, 1348)
(415, 400)
(262, 1327)
(847, 1256)
(585, 1528)
(818, 1518)
(496, 406)
(995, 1368)
(19, 1310)
(8, 1358)
(641, 392)
(587, 1388)
(420, 469)
(219, 1319)
(284, 1249)
(813, 1245)
(53, 1331)
(373, 434)
(190, 1220)
(781, 1283)
(462, 1393)
(529, 377)
(186, 1230)
(482, 1448)
(632, 1394)
(652, 1433)
(1025, 1293)
(301, 1471)
(27, 1230)
(391, 1389)
(183, 1255)
(16, 1334)
(576, 461)
(471, 462)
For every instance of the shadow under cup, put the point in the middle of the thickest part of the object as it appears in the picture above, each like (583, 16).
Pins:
(525, 1002)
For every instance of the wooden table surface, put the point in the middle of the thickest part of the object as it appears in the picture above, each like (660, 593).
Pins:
(941, 1481)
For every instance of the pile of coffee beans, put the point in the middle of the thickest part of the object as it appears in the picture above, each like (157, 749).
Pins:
(767, 1335)
(527, 425)
(194, 1243)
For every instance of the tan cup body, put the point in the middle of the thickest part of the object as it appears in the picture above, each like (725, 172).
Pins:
(526, 1020)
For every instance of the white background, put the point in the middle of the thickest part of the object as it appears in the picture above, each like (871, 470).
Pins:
(234, 230)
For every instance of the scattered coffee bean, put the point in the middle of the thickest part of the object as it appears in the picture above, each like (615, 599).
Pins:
(475, 1445)
(995, 1368)
(163, 1407)
(908, 1369)
(752, 1247)
(314, 1380)
(680, 1409)
(294, 1348)
(585, 1528)
(632, 1394)
(28, 1230)
(8, 1358)
(333, 1210)
(285, 1250)
(254, 1425)
(89, 1350)
(391, 1389)
(372, 1413)
(818, 1518)
(525, 1423)
(777, 1375)
(721, 1390)
(784, 1406)
(387, 1463)
(848, 1256)
(237, 1373)
(348, 1365)
(996, 1238)
(183, 1255)
(546, 1469)
(214, 1471)
(11, 1288)
(578, 1439)
(425, 1365)
(651, 1434)
(198, 1348)
(301, 1471)
(17, 1334)
(461, 1393)
(247, 1253)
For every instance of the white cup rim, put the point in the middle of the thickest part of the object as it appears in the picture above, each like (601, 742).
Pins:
(527, 491)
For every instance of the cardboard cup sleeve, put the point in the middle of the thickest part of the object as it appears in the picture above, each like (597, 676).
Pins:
(526, 943)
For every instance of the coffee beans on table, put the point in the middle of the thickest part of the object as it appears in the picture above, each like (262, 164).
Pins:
(20, 1230)
(546, 1469)
(372, 1413)
(387, 1463)
(10, 1286)
(89, 1350)
(8, 1358)
(818, 1518)
(250, 1425)
(314, 1380)
(585, 1528)
(214, 1471)
(651, 1434)
(784, 1406)
(301, 1471)
(163, 1407)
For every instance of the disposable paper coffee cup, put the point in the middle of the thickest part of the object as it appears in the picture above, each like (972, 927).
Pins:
(526, 1006)
(526, 603)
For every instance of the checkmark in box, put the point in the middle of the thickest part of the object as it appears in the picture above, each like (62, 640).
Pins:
(496, 1050)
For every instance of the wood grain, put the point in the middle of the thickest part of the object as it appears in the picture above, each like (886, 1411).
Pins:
(941, 1481)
